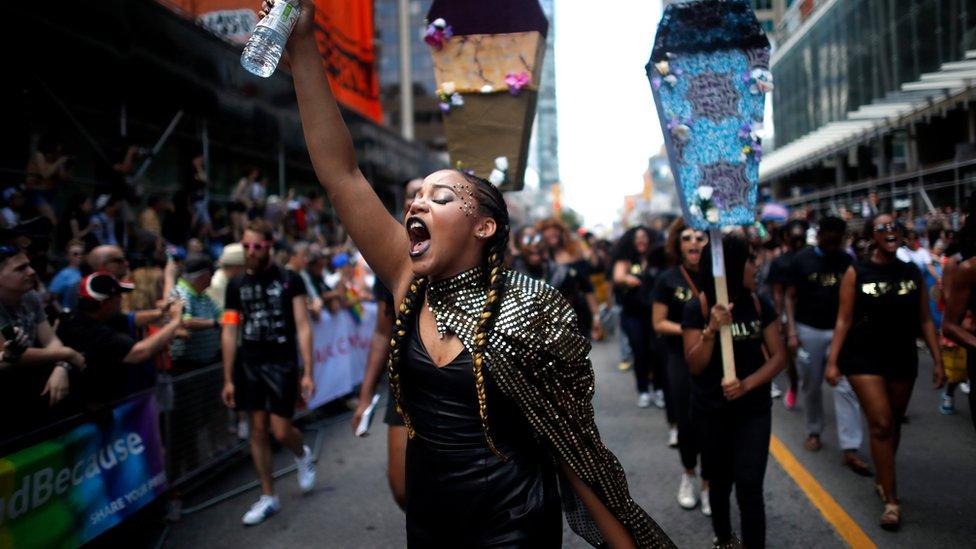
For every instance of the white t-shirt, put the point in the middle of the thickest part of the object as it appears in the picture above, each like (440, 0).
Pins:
(919, 257)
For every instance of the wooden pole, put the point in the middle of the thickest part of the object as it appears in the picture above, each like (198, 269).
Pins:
(722, 297)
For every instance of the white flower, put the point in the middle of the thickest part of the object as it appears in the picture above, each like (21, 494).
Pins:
(681, 132)
(439, 23)
(671, 79)
(457, 100)
(502, 163)
(694, 210)
(448, 88)
(705, 192)
(487, 88)
(762, 81)
(497, 177)
(712, 215)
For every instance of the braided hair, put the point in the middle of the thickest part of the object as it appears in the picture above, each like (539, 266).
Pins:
(491, 203)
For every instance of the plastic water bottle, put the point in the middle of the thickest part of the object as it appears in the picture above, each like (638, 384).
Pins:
(267, 42)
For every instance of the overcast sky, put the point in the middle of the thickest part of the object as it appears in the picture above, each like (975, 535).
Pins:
(607, 125)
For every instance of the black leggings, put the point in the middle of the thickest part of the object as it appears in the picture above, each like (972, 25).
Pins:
(735, 450)
(679, 379)
(640, 332)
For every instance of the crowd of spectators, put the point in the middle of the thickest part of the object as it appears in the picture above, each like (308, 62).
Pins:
(104, 286)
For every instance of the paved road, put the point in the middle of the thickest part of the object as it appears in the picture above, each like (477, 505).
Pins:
(351, 506)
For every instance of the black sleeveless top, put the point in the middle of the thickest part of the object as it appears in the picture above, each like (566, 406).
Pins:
(442, 403)
(459, 493)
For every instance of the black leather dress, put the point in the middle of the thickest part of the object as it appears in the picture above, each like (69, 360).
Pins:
(460, 494)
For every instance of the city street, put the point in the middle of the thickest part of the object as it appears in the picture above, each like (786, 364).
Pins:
(352, 507)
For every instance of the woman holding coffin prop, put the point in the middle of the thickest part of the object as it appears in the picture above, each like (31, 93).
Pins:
(709, 72)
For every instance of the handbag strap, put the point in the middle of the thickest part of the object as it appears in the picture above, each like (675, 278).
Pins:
(691, 283)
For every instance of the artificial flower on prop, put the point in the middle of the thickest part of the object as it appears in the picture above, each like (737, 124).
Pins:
(448, 97)
(517, 81)
(680, 129)
(499, 173)
(760, 81)
(437, 33)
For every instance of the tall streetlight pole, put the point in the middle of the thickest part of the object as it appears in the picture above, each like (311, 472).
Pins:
(406, 71)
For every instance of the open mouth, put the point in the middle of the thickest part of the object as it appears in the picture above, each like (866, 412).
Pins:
(891, 238)
(419, 236)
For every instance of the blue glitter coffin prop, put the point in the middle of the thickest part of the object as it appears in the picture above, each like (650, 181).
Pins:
(709, 73)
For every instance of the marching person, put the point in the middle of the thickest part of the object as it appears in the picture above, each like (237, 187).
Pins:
(488, 367)
(733, 417)
(883, 309)
(812, 297)
(672, 291)
(267, 304)
(633, 281)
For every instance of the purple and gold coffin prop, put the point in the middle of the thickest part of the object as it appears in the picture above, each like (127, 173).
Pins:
(488, 64)
(709, 72)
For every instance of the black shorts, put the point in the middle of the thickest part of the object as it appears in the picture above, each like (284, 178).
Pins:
(392, 418)
(902, 369)
(266, 386)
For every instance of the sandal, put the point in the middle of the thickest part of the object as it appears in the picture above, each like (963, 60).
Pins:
(891, 517)
(878, 489)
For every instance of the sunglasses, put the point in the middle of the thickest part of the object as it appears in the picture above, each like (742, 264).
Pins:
(693, 237)
(885, 228)
(9, 251)
(256, 246)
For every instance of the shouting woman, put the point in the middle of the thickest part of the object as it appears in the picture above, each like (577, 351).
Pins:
(883, 309)
(672, 291)
(488, 367)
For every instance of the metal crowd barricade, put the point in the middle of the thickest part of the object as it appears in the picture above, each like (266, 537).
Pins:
(199, 432)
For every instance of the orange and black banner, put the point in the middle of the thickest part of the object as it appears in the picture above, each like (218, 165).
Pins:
(343, 30)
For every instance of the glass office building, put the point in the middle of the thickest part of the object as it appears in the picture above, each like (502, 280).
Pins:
(859, 50)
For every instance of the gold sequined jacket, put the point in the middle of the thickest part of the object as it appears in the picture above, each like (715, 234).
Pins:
(537, 356)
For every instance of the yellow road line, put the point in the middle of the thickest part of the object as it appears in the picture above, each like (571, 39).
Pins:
(828, 506)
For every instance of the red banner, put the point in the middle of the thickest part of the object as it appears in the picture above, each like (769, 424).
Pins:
(343, 31)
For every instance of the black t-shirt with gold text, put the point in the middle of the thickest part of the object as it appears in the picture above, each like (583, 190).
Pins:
(816, 275)
(747, 345)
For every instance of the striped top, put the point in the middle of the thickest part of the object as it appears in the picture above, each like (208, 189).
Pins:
(202, 345)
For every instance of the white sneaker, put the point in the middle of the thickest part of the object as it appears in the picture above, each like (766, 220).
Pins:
(964, 387)
(673, 437)
(306, 471)
(659, 398)
(644, 400)
(706, 506)
(774, 390)
(686, 492)
(261, 510)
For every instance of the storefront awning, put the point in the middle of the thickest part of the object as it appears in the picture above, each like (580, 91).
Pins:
(892, 110)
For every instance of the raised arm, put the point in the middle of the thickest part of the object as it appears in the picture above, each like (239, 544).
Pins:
(381, 239)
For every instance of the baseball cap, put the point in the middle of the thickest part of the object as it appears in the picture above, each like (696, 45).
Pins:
(101, 285)
(232, 255)
(197, 264)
